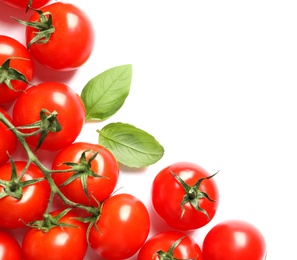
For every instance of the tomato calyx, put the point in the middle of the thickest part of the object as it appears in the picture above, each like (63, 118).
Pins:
(8, 73)
(44, 26)
(48, 123)
(14, 187)
(169, 254)
(193, 194)
(82, 170)
(49, 221)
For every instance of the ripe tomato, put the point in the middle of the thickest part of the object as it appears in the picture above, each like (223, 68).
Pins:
(122, 227)
(234, 239)
(72, 41)
(60, 242)
(99, 174)
(22, 4)
(21, 61)
(10, 248)
(14, 212)
(176, 244)
(8, 140)
(180, 209)
(52, 96)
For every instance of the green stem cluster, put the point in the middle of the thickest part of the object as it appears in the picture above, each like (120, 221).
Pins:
(33, 159)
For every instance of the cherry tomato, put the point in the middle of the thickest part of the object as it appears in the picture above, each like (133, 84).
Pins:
(60, 242)
(23, 4)
(52, 96)
(122, 227)
(20, 61)
(72, 41)
(8, 140)
(16, 212)
(180, 209)
(10, 248)
(232, 240)
(176, 244)
(95, 166)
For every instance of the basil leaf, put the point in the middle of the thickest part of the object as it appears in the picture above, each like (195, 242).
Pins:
(131, 146)
(105, 94)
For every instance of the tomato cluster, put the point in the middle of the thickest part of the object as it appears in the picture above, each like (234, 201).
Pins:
(73, 204)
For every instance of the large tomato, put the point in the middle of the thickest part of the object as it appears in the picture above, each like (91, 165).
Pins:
(8, 140)
(95, 174)
(234, 239)
(23, 4)
(12, 83)
(16, 212)
(121, 229)
(71, 41)
(60, 242)
(10, 248)
(52, 96)
(170, 245)
(185, 196)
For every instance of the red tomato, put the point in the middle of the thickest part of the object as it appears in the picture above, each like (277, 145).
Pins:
(168, 194)
(8, 140)
(123, 227)
(232, 240)
(60, 242)
(72, 41)
(104, 166)
(31, 206)
(176, 244)
(21, 61)
(22, 4)
(10, 248)
(52, 96)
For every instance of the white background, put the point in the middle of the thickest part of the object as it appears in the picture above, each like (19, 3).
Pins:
(214, 82)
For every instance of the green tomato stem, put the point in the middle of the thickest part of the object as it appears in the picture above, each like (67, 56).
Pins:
(32, 158)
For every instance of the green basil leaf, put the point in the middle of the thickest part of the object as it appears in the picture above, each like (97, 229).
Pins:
(130, 145)
(105, 94)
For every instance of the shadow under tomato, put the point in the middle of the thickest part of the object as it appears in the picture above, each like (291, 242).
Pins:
(44, 74)
(157, 223)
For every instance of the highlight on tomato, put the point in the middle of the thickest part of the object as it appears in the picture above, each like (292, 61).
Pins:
(60, 236)
(234, 239)
(16, 69)
(53, 111)
(94, 176)
(24, 194)
(8, 141)
(185, 196)
(121, 228)
(170, 245)
(10, 248)
(60, 36)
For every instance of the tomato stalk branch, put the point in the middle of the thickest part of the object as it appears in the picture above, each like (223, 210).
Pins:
(32, 158)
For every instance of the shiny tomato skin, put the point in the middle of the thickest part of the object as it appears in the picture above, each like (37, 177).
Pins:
(232, 240)
(72, 42)
(53, 96)
(10, 248)
(22, 62)
(22, 4)
(104, 165)
(15, 213)
(186, 249)
(58, 242)
(167, 194)
(123, 226)
(8, 140)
